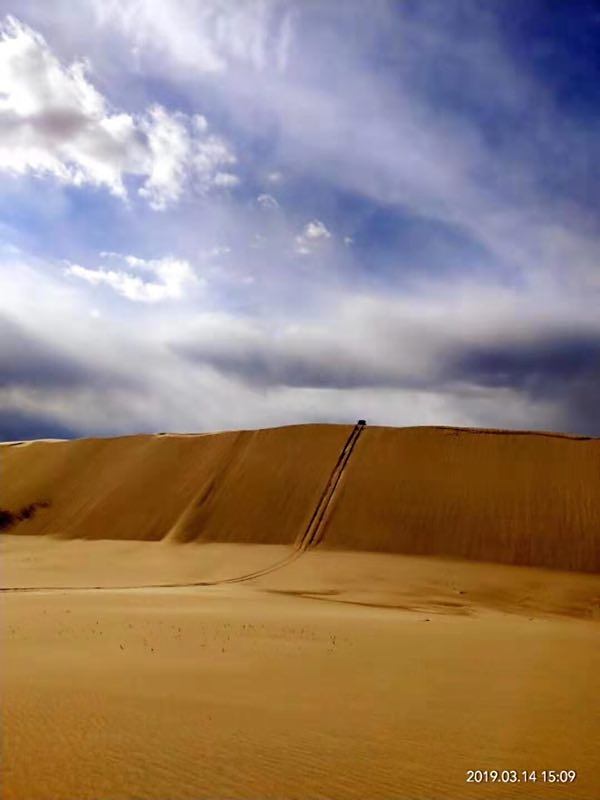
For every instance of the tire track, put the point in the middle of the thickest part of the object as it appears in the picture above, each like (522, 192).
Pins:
(311, 537)
(314, 531)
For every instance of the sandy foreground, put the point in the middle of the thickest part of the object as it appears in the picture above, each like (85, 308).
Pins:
(340, 675)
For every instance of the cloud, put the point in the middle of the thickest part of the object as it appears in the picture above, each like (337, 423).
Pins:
(295, 356)
(267, 201)
(171, 277)
(18, 426)
(209, 36)
(520, 353)
(209, 156)
(169, 143)
(183, 152)
(40, 380)
(54, 122)
(313, 235)
(347, 118)
(408, 360)
(562, 366)
(541, 364)
(26, 360)
(438, 144)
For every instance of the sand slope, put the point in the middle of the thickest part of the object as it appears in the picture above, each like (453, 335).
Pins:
(223, 487)
(531, 499)
(494, 496)
(130, 487)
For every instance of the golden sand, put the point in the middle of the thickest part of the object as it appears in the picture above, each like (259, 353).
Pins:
(131, 667)
(494, 496)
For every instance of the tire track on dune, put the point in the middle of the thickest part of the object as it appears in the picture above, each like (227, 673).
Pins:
(313, 533)
(311, 537)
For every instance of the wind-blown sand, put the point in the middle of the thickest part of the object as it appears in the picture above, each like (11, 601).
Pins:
(342, 674)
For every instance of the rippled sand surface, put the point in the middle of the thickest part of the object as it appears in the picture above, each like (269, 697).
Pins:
(340, 675)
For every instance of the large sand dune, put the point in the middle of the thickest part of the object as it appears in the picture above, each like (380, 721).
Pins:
(136, 663)
(517, 498)
(520, 498)
(243, 486)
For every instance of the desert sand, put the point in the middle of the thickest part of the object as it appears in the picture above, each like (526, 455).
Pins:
(448, 619)
(516, 498)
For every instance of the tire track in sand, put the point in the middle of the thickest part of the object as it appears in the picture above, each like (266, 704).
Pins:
(311, 537)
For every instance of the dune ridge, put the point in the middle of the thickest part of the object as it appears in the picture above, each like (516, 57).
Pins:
(511, 497)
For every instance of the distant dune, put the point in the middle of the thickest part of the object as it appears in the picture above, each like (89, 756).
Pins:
(517, 498)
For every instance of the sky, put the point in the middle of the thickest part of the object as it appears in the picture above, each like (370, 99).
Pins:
(221, 214)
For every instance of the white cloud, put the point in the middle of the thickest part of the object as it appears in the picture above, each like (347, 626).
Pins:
(169, 143)
(225, 180)
(181, 152)
(316, 230)
(169, 277)
(313, 235)
(267, 201)
(209, 155)
(208, 36)
(53, 121)
(403, 151)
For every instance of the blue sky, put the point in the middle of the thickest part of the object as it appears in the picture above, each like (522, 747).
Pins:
(219, 214)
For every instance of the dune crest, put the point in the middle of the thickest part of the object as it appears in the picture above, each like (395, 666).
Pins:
(510, 497)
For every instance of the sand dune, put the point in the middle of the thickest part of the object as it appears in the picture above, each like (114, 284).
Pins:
(132, 487)
(494, 496)
(218, 487)
(531, 499)
(133, 666)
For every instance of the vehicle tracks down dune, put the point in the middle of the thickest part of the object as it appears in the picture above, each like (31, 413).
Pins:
(310, 537)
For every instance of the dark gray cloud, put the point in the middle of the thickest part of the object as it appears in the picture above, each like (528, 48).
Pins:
(267, 367)
(28, 362)
(582, 405)
(25, 361)
(560, 369)
(540, 366)
(311, 362)
(54, 125)
(16, 425)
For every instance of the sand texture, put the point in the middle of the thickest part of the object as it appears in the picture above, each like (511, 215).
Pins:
(530, 499)
(492, 496)
(341, 675)
(248, 615)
